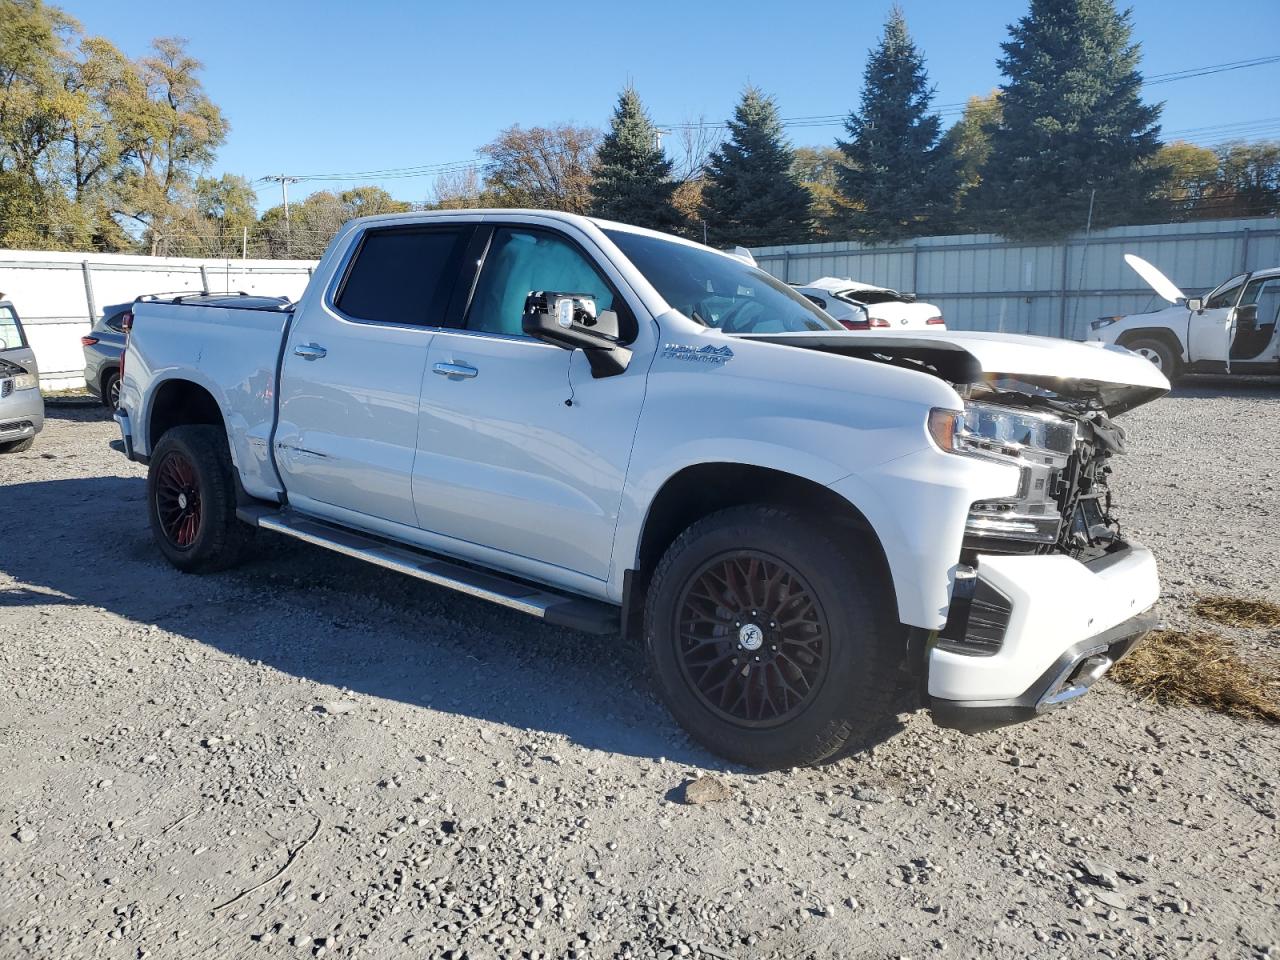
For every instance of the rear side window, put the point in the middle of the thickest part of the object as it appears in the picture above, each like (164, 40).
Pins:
(10, 333)
(402, 276)
(116, 321)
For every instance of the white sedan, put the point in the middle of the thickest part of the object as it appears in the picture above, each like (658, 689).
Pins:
(864, 306)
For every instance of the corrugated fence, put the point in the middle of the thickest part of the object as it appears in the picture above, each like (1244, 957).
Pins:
(58, 295)
(985, 283)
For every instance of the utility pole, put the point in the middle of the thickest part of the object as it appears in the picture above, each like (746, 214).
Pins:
(284, 182)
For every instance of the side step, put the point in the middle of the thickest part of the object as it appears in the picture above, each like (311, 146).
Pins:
(576, 613)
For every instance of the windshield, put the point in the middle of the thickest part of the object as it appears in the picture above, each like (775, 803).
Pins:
(719, 291)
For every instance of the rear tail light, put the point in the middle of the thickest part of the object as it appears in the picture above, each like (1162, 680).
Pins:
(855, 324)
(126, 321)
(934, 322)
(88, 341)
(879, 323)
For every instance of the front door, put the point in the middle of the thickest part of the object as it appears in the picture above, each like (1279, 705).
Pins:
(1209, 329)
(352, 375)
(519, 448)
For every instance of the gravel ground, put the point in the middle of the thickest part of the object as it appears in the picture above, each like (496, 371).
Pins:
(309, 757)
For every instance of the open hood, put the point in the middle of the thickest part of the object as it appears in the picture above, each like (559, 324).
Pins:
(1158, 281)
(1115, 377)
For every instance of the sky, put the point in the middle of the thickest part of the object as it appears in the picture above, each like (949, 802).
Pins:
(323, 87)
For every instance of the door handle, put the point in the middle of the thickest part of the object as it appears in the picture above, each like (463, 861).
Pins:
(455, 371)
(309, 351)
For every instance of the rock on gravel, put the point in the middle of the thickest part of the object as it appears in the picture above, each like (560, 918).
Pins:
(706, 789)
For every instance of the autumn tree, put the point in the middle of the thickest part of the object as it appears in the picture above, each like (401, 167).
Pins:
(544, 167)
(969, 141)
(817, 169)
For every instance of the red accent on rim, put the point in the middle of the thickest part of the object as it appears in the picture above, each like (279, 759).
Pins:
(178, 500)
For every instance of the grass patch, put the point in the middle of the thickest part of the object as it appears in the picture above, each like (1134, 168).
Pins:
(1202, 670)
(1238, 611)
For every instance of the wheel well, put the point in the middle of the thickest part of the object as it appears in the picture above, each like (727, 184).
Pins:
(1168, 337)
(178, 403)
(107, 371)
(699, 490)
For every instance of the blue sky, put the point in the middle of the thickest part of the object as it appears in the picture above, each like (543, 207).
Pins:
(328, 87)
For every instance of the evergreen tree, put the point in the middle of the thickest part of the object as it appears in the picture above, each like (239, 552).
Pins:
(1072, 123)
(751, 197)
(897, 169)
(632, 177)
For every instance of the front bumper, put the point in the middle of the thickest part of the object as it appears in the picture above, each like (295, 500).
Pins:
(21, 414)
(1061, 625)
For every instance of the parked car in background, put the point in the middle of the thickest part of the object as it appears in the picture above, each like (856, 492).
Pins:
(864, 306)
(102, 349)
(1231, 329)
(21, 406)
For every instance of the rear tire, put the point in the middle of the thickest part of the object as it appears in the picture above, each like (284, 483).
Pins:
(1162, 356)
(769, 640)
(17, 446)
(111, 391)
(191, 499)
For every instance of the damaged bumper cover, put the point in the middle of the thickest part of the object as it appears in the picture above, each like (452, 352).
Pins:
(1042, 630)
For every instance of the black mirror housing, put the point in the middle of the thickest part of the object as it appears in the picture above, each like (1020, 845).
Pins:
(570, 320)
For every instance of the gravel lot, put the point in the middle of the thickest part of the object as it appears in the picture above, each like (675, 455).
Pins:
(437, 777)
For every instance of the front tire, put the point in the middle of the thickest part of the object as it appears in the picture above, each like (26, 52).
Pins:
(1162, 356)
(17, 446)
(769, 640)
(191, 499)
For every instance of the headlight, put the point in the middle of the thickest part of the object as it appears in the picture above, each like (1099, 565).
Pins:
(992, 430)
(26, 381)
(1038, 444)
(1103, 322)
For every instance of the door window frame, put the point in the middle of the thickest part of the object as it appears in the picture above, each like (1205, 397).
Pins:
(627, 322)
(17, 322)
(466, 235)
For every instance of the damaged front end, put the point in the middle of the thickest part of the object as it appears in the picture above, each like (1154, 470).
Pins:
(1062, 448)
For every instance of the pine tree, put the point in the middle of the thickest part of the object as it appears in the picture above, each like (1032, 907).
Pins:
(898, 171)
(1073, 122)
(751, 197)
(632, 177)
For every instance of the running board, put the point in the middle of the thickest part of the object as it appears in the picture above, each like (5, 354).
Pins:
(563, 610)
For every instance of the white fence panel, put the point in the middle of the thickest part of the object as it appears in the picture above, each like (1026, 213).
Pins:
(985, 283)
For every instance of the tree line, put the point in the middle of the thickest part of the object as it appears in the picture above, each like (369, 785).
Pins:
(101, 152)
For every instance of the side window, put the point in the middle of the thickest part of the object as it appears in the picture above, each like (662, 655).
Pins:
(521, 261)
(402, 276)
(817, 301)
(10, 332)
(1224, 296)
(116, 321)
(1266, 294)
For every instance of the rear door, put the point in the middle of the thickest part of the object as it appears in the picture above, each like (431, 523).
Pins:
(520, 449)
(1255, 320)
(351, 377)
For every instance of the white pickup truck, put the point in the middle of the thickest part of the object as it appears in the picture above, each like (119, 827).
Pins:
(621, 431)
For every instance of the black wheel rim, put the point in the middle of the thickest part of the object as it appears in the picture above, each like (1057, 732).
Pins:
(178, 500)
(752, 639)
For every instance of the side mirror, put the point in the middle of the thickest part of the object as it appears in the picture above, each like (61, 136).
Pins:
(1195, 304)
(571, 320)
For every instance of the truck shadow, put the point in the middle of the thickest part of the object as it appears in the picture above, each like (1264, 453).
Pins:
(316, 615)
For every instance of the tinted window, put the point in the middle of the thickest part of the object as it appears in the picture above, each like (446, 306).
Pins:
(1224, 296)
(10, 332)
(522, 261)
(116, 320)
(719, 291)
(402, 276)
